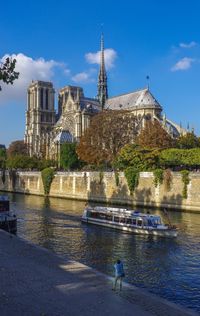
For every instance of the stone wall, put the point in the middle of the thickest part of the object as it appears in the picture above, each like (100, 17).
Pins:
(101, 187)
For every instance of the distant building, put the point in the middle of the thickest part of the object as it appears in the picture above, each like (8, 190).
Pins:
(46, 130)
(2, 146)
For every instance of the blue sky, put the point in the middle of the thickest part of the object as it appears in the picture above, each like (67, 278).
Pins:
(59, 40)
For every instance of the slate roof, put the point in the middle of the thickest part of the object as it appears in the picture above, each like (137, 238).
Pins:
(141, 98)
(63, 137)
(90, 104)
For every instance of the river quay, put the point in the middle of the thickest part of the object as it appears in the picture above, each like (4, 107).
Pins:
(35, 281)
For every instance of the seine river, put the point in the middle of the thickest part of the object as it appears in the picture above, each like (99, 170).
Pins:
(169, 268)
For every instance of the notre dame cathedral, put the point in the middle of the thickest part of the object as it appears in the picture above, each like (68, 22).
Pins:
(46, 130)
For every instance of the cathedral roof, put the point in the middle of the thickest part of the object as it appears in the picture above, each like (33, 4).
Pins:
(63, 137)
(90, 104)
(133, 100)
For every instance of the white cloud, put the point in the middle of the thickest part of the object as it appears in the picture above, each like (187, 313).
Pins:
(109, 54)
(29, 69)
(188, 45)
(183, 64)
(67, 72)
(83, 77)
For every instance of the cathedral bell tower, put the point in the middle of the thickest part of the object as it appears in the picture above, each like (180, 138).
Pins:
(102, 79)
(40, 117)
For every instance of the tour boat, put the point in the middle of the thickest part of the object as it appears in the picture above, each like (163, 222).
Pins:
(8, 220)
(128, 221)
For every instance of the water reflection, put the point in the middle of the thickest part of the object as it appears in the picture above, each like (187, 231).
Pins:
(167, 267)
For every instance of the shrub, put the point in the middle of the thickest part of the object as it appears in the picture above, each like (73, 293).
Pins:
(158, 177)
(116, 178)
(101, 174)
(47, 178)
(132, 177)
(186, 181)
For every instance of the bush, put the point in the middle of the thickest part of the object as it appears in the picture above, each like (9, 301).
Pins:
(47, 178)
(116, 178)
(132, 177)
(158, 177)
(68, 156)
(140, 158)
(180, 157)
(186, 181)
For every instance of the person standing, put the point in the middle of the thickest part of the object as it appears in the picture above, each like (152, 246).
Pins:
(119, 274)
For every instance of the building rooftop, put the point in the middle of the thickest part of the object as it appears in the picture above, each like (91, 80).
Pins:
(140, 98)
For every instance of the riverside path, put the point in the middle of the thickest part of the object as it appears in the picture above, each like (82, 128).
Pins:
(34, 281)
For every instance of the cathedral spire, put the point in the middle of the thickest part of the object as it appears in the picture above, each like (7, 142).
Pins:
(102, 79)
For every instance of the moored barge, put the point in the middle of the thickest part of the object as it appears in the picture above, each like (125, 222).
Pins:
(8, 220)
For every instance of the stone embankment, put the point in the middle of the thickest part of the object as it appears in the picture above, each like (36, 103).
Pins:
(36, 282)
(103, 187)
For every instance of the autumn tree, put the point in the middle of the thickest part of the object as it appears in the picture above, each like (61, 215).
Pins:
(108, 132)
(17, 147)
(7, 71)
(153, 135)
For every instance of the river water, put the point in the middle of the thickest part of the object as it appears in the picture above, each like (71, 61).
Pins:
(169, 268)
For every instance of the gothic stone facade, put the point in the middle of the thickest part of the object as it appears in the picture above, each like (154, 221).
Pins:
(46, 131)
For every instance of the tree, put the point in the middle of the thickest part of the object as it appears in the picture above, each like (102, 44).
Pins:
(17, 147)
(68, 156)
(187, 141)
(108, 132)
(2, 157)
(153, 135)
(174, 157)
(7, 71)
(140, 159)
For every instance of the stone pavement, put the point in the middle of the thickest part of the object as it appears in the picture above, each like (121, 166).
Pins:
(36, 282)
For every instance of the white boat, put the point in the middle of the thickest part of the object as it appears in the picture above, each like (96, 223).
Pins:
(128, 221)
(8, 220)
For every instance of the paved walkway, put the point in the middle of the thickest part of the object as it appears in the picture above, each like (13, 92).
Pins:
(35, 282)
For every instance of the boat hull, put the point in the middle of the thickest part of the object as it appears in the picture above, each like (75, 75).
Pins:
(9, 225)
(171, 233)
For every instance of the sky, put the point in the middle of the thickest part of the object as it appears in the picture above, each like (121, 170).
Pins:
(59, 41)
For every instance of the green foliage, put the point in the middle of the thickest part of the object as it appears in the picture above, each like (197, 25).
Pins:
(7, 71)
(132, 177)
(68, 156)
(180, 157)
(13, 177)
(2, 158)
(187, 141)
(186, 181)
(116, 178)
(101, 175)
(3, 175)
(158, 177)
(3, 153)
(26, 162)
(140, 158)
(44, 163)
(47, 178)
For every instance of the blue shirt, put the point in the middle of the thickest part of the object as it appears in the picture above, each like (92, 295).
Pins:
(119, 269)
